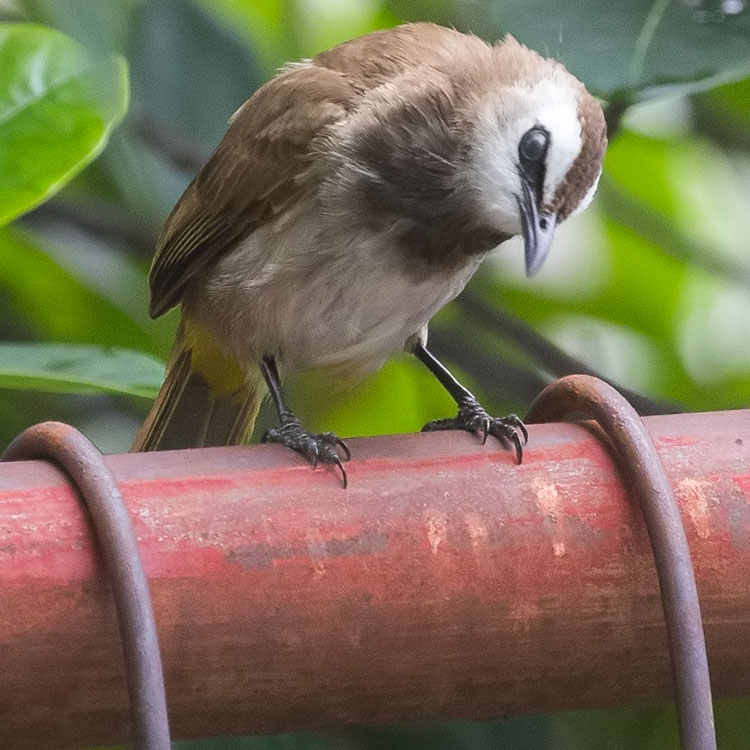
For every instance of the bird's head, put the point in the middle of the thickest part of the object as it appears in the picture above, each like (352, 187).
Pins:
(538, 142)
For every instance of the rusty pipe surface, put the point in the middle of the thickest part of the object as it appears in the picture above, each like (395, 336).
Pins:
(643, 473)
(445, 582)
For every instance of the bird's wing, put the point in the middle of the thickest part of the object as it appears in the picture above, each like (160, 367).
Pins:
(252, 176)
(256, 171)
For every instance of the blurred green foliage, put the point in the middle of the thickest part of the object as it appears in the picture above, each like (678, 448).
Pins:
(649, 287)
(58, 105)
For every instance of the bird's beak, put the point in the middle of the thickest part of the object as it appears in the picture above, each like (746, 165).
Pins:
(538, 229)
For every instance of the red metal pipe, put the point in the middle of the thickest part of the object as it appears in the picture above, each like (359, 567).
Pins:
(445, 582)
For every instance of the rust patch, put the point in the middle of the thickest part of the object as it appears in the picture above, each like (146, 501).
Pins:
(369, 543)
(257, 556)
(263, 556)
(550, 504)
(696, 503)
(437, 528)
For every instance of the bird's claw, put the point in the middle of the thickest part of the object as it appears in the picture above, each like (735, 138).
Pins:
(315, 447)
(473, 418)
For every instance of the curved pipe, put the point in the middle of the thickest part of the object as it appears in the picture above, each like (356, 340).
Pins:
(646, 479)
(82, 462)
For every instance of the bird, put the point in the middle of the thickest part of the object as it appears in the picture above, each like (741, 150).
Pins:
(353, 196)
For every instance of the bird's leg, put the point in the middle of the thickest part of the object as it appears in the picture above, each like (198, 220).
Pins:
(316, 448)
(471, 415)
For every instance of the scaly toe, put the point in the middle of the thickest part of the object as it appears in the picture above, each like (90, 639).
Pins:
(507, 430)
(316, 448)
(473, 418)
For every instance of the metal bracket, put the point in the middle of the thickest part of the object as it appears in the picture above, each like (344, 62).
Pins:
(645, 477)
(82, 461)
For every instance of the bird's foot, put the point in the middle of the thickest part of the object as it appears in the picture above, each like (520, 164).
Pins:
(473, 418)
(317, 448)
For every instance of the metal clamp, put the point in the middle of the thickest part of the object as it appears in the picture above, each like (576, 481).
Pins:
(645, 476)
(114, 533)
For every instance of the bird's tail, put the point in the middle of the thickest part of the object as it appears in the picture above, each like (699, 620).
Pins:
(207, 398)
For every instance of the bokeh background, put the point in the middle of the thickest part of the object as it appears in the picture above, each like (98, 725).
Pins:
(648, 288)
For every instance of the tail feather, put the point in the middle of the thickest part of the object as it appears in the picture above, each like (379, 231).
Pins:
(187, 413)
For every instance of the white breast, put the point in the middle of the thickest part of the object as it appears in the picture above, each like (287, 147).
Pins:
(313, 294)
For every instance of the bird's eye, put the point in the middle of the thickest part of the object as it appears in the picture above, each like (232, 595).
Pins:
(533, 145)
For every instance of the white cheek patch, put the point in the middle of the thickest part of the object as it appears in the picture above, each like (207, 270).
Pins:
(493, 172)
(500, 125)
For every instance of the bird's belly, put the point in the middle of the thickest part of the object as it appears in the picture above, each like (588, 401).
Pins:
(357, 321)
(312, 305)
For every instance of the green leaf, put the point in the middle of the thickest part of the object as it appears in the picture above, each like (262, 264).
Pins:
(691, 204)
(69, 368)
(57, 107)
(723, 114)
(623, 49)
(61, 305)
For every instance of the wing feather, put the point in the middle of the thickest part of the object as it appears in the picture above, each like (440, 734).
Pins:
(251, 176)
(258, 168)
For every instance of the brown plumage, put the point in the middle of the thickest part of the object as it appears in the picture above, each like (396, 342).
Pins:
(353, 196)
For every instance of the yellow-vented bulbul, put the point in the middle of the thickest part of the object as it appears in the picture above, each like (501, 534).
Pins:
(352, 197)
